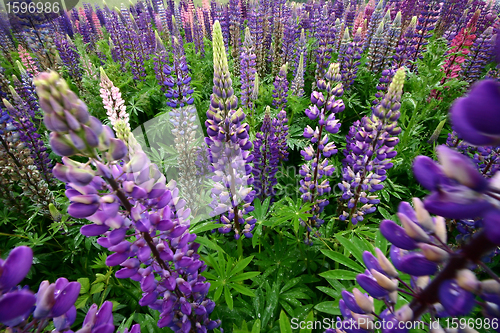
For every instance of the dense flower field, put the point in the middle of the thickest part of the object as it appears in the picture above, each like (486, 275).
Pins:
(255, 166)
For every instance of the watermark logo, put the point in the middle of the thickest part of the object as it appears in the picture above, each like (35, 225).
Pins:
(209, 182)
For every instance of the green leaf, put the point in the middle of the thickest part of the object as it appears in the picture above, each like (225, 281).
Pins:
(290, 284)
(244, 276)
(285, 326)
(256, 326)
(384, 213)
(218, 293)
(198, 228)
(309, 319)
(208, 243)
(339, 274)
(228, 297)
(380, 242)
(330, 292)
(328, 307)
(85, 285)
(243, 290)
(340, 258)
(349, 246)
(96, 288)
(240, 266)
(81, 301)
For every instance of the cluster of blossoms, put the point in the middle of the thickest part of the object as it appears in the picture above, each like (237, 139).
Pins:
(113, 101)
(368, 154)
(326, 103)
(266, 158)
(248, 70)
(442, 282)
(177, 82)
(23, 311)
(229, 149)
(142, 219)
(280, 90)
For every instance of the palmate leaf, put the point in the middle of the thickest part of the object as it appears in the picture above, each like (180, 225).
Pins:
(227, 277)
(294, 212)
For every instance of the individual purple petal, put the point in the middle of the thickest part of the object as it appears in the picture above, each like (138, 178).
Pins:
(66, 299)
(350, 302)
(459, 167)
(491, 225)
(476, 117)
(416, 264)
(59, 145)
(456, 206)
(455, 300)
(371, 262)
(368, 283)
(397, 235)
(427, 172)
(80, 210)
(93, 230)
(15, 304)
(15, 267)
(65, 321)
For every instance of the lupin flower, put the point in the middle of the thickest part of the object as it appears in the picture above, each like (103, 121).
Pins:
(280, 90)
(178, 80)
(459, 48)
(326, 35)
(266, 158)
(229, 149)
(185, 129)
(375, 19)
(119, 193)
(248, 70)
(480, 55)
(440, 279)
(27, 61)
(349, 56)
(112, 101)
(300, 49)
(406, 45)
(377, 44)
(426, 23)
(21, 310)
(69, 56)
(368, 154)
(297, 86)
(468, 114)
(325, 104)
(22, 119)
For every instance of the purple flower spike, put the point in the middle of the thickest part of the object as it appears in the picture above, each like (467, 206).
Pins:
(476, 117)
(15, 268)
(455, 300)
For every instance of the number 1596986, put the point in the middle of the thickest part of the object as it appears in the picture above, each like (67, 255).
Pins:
(15, 7)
